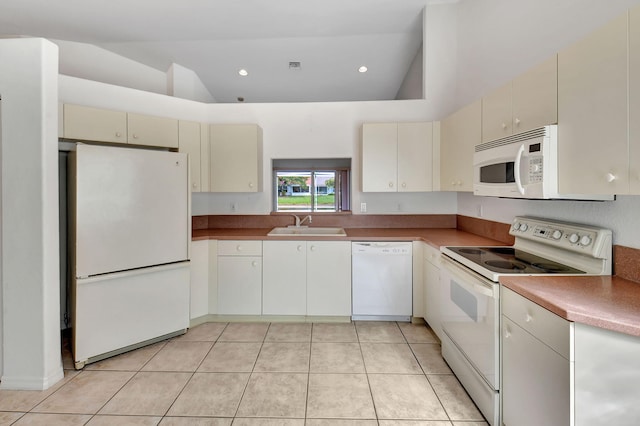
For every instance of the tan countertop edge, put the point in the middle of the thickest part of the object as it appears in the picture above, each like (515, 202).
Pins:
(606, 302)
(435, 237)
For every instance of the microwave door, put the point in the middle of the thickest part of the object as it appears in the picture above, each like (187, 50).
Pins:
(495, 172)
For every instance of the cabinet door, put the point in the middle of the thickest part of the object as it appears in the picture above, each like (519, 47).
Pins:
(379, 157)
(284, 278)
(94, 124)
(415, 157)
(431, 276)
(152, 131)
(536, 381)
(634, 100)
(496, 114)
(592, 113)
(459, 133)
(535, 97)
(239, 285)
(189, 139)
(199, 278)
(204, 157)
(235, 158)
(328, 278)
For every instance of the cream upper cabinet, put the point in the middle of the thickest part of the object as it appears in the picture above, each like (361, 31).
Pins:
(592, 113)
(634, 101)
(94, 124)
(379, 157)
(496, 114)
(152, 131)
(189, 139)
(415, 157)
(235, 158)
(460, 133)
(103, 125)
(397, 157)
(535, 97)
(528, 102)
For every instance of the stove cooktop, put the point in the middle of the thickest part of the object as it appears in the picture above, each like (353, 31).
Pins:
(509, 260)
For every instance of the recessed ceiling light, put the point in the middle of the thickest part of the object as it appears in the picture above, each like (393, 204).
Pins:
(362, 69)
(243, 72)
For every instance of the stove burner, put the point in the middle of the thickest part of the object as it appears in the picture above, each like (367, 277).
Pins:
(470, 251)
(505, 264)
(549, 267)
(502, 250)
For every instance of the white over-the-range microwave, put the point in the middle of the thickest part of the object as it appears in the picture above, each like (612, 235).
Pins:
(524, 165)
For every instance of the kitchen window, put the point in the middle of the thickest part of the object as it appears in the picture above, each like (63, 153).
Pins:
(318, 185)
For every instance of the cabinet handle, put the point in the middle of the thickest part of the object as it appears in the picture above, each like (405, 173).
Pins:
(135, 136)
(250, 184)
(299, 248)
(239, 248)
(254, 263)
(507, 333)
(528, 318)
(404, 184)
(390, 184)
(611, 177)
(195, 185)
(517, 121)
(313, 248)
(504, 126)
(118, 134)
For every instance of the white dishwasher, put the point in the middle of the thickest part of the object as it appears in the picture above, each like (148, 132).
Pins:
(382, 286)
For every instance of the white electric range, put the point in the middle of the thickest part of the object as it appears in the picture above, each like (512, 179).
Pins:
(470, 305)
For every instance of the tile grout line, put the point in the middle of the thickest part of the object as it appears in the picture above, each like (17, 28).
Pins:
(192, 373)
(366, 372)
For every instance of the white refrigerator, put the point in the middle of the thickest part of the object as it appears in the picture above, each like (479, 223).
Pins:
(129, 236)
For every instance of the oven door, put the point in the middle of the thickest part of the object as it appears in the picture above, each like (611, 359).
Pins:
(470, 317)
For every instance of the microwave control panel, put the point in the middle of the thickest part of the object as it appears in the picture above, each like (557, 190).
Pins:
(535, 169)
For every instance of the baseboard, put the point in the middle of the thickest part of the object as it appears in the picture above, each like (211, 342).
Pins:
(32, 383)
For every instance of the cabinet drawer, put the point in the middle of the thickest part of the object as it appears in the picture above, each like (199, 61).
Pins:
(543, 324)
(239, 248)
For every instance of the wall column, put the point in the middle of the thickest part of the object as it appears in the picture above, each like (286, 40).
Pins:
(31, 352)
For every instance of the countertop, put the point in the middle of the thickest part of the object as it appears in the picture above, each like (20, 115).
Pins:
(607, 302)
(435, 237)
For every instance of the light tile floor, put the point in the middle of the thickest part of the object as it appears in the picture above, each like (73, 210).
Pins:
(247, 374)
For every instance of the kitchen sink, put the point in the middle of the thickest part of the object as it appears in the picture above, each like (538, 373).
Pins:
(307, 231)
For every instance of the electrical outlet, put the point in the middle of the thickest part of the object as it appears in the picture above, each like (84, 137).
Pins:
(479, 210)
(363, 207)
(233, 207)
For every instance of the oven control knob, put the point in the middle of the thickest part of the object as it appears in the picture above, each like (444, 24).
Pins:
(585, 240)
(524, 227)
(574, 238)
(556, 234)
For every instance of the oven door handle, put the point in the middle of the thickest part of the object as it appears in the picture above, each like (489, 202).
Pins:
(476, 285)
(516, 170)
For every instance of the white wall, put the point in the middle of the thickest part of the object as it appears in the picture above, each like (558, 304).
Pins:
(94, 63)
(30, 250)
(621, 215)
(411, 87)
(499, 39)
(185, 83)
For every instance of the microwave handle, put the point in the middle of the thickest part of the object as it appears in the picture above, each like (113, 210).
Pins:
(516, 171)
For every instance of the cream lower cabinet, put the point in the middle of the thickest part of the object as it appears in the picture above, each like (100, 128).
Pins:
(557, 372)
(199, 300)
(239, 277)
(397, 157)
(431, 278)
(284, 273)
(235, 153)
(307, 278)
(593, 155)
(634, 100)
(460, 132)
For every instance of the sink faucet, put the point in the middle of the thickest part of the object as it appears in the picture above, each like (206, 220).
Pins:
(299, 221)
